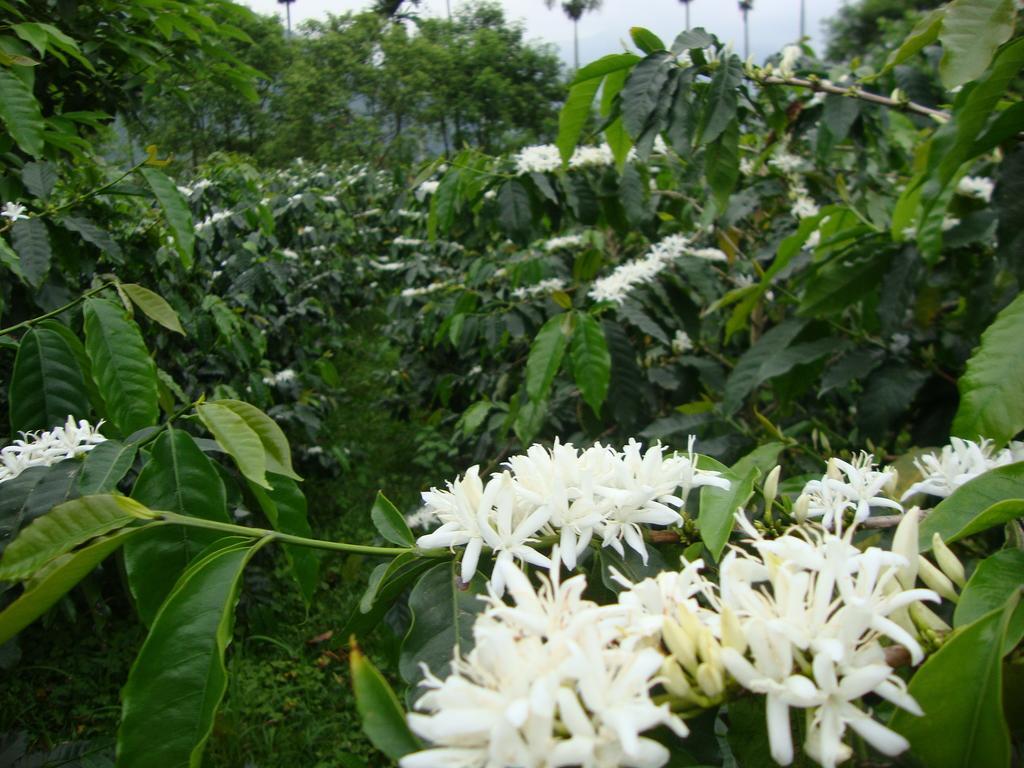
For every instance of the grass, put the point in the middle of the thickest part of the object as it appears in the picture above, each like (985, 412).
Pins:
(289, 702)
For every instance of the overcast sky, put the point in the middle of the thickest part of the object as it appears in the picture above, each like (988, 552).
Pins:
(773, 23)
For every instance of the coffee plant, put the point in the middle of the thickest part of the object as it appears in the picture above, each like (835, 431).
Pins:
(733, 370)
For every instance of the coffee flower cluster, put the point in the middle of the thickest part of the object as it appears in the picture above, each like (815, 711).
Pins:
(43, 449)
(570, 495)
(628, 276)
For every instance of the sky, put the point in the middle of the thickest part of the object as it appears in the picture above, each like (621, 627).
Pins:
(773, 23)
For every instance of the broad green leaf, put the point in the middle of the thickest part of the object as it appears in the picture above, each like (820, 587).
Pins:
(154, 306)
(746, 376)
(92, 233)
(987, 500)
(383, 575)
(515, 208)
(74, 343)
(993, 582)
(591, 362)
(842, 281)
(64, 528)
(32, 242)
(55, 580)
(722, 164)
(178, 679)
(389, 522)
(613, 62)
(35, 492)
(645, 40)
(640, 95)
(574, 115)
(615, 134)
(238, 438)
(965, 729)
(285, 508)
(924, 33)
(718, 506)
(991, 398)
(278, 451)
(546, 353)
(972, 30)
(105, 466)
(720, 101)
(443, 610)
(690, 39)
(178, 477)
(11, 261)
(121, 366)
(20, 113)
(382, 715)
(529, 418)
(46, 384)
(179, 218)
(39, 178)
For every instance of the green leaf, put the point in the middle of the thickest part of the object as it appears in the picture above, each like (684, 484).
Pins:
(574, 115)
(389, 522)
(645, 40)
(443, 610)
(987, 500)
(179, 678)
(46, 384)
(690, 39)
(529, 419)
(54, 582)
(154, 306)
(35, 492)
(121, 366)
(11, 260)
(39, 178)
(546, 353)
(64, 528)
(78, 350)
(515, 210)
(924, 33)
(718, 506)
(278, 451)
(721, 100)
(285, 508)
(615, 134)
(20, 113)
(93, 234)
(640, 95)
(32, 242)
(967, 729)
(993, 582)
(613, 62)
(722, 164)
(842, 281)
(178, 477)
(991, 398)
(105, 466)
(591, 362)
(762, 356)
(179, 218)
(382, 715)
(971, 32)
(238, 438)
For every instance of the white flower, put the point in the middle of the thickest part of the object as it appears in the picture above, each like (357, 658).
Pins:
(14, 211)
(804, 207)
(410, 241)
(813, 240)
(185, 191)
(281, 377)
(627, 276)
(709, 254)
(305, 230)
(585, 157)
(785, 162)
(426, 188)
(289, 254)
(681, 342)
(949, 222)
(977, 187)
(538, 159)
(790, 56)
(566, 241)
(330, 199)
(899, 343)
(45, 448)
(544, 287)
(202, 184)
(422, 291)
(957, 463)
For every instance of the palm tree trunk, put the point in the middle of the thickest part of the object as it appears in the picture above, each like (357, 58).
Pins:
(687, 16)
(576, 42)
(746, 36)
(803, 19)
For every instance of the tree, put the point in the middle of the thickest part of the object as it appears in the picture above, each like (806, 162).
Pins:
(687, 4)
(745, 7)
(575, 9)
(857, 27)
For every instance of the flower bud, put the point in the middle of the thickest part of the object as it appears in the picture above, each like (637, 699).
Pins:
(801, 507)
(732, 631)
(675, 679)
(935, 579)
(948, 562)
(711, 680)
(710, 650)
(680, 644)
(832, 471)
(923, 616)
(771, 487)
(904, 542)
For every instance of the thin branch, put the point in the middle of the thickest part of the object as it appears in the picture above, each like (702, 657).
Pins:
(853, 91)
